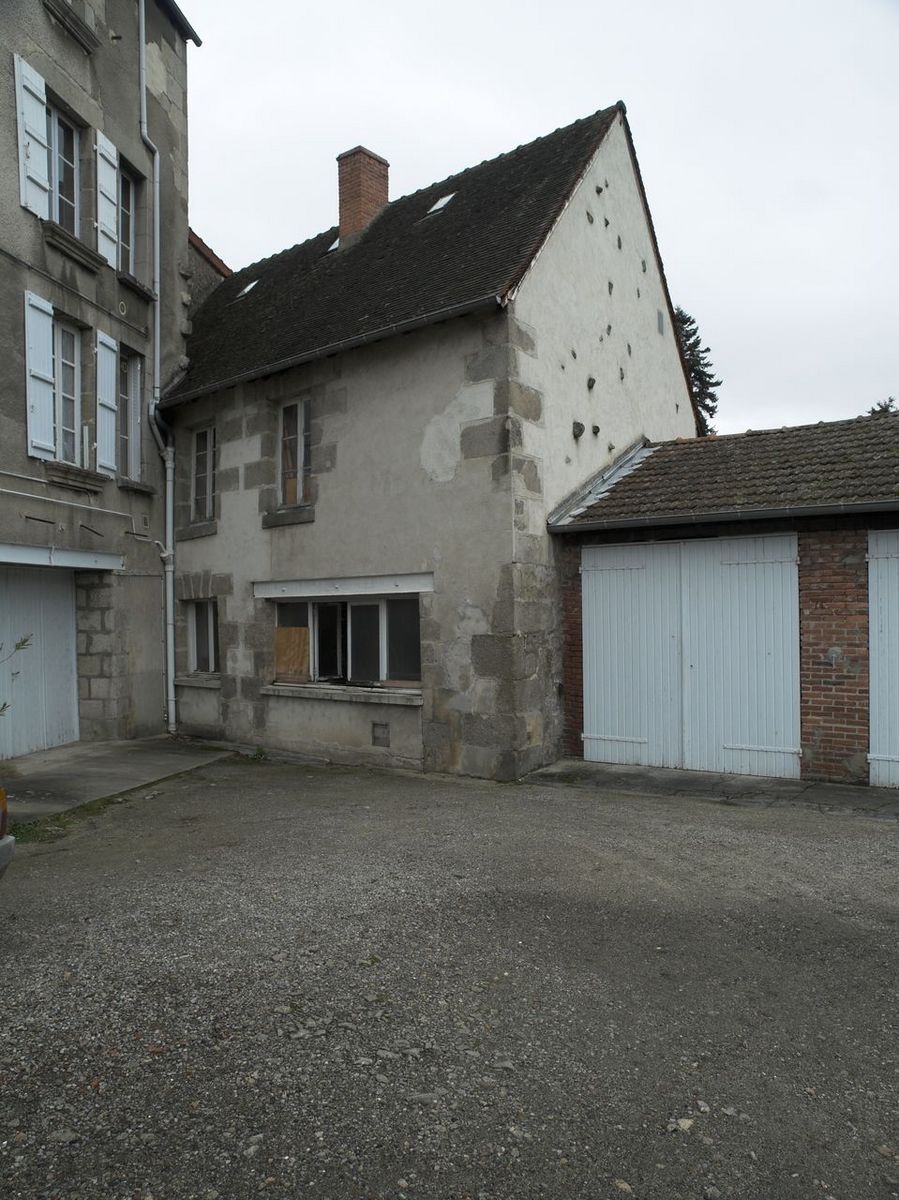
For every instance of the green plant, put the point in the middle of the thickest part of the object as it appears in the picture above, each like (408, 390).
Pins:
(22, 644)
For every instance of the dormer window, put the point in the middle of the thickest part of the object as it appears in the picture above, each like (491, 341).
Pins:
(439, 204)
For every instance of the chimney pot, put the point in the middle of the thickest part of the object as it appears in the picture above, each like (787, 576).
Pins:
(362, 189)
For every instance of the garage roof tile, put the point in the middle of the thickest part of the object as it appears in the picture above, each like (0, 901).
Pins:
(828, 467)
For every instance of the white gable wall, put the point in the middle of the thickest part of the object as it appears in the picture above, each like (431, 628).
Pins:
(565, 305)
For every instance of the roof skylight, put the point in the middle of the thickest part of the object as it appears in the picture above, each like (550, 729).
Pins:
(248, 288)
(441, 203)
(333, 245)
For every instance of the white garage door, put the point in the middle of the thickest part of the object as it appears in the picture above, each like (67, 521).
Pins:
(40, 683)
(883, 595)
(691, 655)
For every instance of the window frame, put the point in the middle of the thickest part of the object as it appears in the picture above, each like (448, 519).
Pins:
(344, 635)
(128, 405)
(213, 655)
(55, 117)
(61, 327)
(208, 513)
(303, 454)
(127, 261)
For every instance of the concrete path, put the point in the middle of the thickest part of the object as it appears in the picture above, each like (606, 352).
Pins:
(52, 781)
(751, 790)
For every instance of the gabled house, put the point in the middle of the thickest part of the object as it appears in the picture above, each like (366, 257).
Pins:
(93, 242)
(370, 434)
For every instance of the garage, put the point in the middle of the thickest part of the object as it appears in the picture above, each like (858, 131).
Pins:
(731, 604)
(40, 683)
(883, 594)
(691, 655)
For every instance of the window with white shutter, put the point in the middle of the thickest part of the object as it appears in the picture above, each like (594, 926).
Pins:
(40, 382)
(107, 200)
(129, 415)
(34, 143)
(107, 402)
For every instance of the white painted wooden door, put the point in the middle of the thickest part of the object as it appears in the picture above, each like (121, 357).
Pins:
(691, 655)
(40, 683)
(883, 635)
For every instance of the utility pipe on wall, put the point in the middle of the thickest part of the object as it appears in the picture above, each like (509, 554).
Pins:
(161, 433)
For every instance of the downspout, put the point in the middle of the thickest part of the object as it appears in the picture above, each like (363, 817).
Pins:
(161, 432)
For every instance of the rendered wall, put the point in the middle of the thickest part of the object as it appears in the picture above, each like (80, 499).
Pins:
(410, 473)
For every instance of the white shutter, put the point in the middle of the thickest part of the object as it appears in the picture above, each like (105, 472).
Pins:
(107, 379)
(135, 412)
(34, 157)
(39, 384)
(107, 200)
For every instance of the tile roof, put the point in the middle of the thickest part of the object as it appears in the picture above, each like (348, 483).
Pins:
(829, 467)
(407, 269)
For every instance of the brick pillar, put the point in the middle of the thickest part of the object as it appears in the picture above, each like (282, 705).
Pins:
(833, 633)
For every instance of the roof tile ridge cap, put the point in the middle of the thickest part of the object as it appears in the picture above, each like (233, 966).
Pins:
(618, 106)
(261, 262)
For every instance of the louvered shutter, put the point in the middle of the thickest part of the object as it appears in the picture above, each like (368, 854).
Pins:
(39, 386)
(135, 383)
(107, 200)
(107, 379)
(34, 156)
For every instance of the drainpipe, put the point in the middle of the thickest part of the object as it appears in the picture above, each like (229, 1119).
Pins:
(161, 432)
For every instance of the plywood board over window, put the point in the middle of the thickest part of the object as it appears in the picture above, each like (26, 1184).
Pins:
(292, 643)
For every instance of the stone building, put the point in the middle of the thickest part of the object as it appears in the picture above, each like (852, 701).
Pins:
(371, 434)
(93, 290)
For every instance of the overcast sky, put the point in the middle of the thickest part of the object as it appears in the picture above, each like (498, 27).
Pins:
(767, 133)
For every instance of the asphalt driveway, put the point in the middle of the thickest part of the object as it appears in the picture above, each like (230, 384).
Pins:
(284, 981)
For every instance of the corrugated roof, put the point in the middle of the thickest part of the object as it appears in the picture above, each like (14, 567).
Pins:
(408, 268)
(828, 467)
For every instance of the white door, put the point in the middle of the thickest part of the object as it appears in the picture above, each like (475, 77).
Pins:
(883, 635)
(691, 655)
(40, 683)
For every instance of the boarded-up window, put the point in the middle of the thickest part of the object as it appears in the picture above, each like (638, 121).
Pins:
(292, 643)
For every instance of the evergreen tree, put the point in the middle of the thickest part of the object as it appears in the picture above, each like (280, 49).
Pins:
(700, 372)
(888, 405)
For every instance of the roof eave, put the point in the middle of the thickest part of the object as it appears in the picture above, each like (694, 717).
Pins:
(460, 310)
(185, 28)
(716, 517)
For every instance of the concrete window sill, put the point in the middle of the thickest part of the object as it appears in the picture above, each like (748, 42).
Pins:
(201, 529)
(73, 23)
(135, 485)
(303, 514)
(135, 285)
(212, 682)
(408, 697)
(72, 247)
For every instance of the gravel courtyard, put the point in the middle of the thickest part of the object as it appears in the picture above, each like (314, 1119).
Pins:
(282, 981)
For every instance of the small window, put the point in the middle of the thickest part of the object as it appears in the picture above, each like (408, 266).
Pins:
(62, 143)
(295, 454)
(127, 207)
(373, 641)
(203, 489)
(67, 386)
(128, 416)
(204, 636)
(441, 203)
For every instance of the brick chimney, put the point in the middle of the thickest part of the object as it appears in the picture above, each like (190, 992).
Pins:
(362, 187)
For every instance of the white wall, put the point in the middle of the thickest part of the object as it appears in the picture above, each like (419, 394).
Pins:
(565, 304)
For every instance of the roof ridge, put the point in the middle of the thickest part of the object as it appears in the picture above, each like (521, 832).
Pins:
(600, 112)
(780, 429)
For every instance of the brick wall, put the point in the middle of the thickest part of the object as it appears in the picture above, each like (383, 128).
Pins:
(572, 650)
(833, 637)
